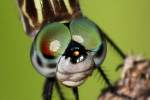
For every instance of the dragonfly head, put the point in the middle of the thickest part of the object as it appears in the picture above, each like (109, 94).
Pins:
(68, 52)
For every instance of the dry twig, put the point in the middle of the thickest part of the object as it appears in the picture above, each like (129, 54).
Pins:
(134, 83)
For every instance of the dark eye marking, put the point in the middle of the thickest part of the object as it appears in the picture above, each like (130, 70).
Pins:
(39, 61)
(48, 56)
(100, 50)
(51, 65)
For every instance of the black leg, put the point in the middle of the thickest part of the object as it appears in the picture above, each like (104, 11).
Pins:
(121, 53)
(61, 95)
(104, 77)
(48, 88)
(75, 92)
(110, 86)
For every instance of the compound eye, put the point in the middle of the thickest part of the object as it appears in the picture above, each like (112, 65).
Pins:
(86, 33)
(52, 40)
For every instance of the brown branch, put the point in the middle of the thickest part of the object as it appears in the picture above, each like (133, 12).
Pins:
(134, 83)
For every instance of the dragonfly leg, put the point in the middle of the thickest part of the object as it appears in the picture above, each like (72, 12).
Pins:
(121, 53)
(111, 88)
(104, 77)
(61, 95)
(48, 88)
(75, 92)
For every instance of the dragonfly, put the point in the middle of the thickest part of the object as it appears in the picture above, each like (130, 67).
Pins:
(67, 46)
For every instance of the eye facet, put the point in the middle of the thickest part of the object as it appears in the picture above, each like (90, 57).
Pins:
(85, 32)
(52, 40)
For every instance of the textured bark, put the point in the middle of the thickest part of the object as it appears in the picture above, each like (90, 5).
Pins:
(134, 83)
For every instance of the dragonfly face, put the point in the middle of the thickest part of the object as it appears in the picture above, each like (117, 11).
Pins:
(69, 52)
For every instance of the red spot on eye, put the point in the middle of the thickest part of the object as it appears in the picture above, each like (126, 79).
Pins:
(45, 48)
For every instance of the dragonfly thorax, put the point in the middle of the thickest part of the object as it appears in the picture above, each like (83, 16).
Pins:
(70, 49)
(36, 13)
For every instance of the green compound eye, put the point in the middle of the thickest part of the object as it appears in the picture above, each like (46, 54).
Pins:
(52, 40)
(85, 32)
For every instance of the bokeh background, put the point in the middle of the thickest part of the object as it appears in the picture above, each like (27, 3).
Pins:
(127, 22)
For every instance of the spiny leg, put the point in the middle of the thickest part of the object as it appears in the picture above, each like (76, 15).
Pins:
(61, 95)
(121, 53)
(104, 77)
(110, 86)
(48, 88)
(75, 92)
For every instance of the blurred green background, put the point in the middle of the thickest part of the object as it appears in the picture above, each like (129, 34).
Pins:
(127, 22)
